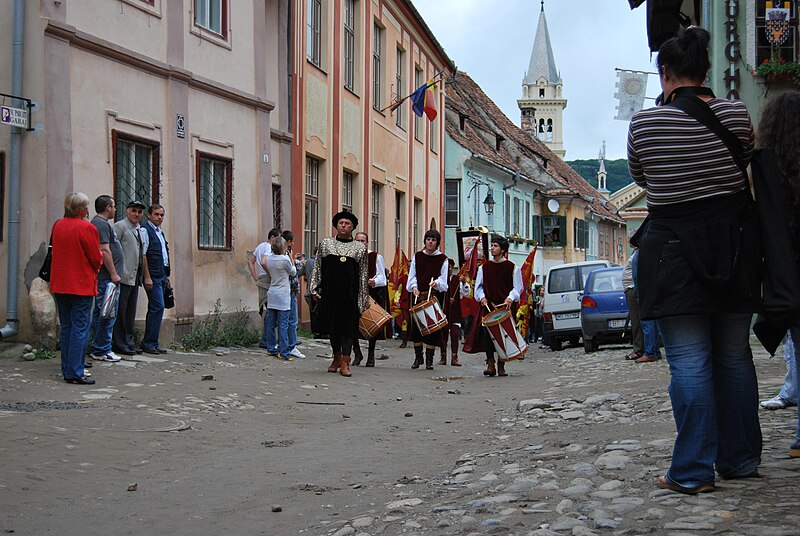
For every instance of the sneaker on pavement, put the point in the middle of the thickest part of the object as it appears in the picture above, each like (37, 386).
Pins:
(108, 356)
(297, 353)
(777, 402)
(284, 357)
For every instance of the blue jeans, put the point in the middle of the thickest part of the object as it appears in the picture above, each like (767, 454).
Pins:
(74, 315)
(793, 338)
(714, 395)
(155, 313)
(789, 389)
(292, 320)
(651, 335)
(279, 319)
(102, 328)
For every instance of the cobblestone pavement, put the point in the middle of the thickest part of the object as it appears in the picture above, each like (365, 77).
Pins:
(237, 442)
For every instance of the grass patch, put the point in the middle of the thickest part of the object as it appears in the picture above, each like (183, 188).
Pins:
(235, 330)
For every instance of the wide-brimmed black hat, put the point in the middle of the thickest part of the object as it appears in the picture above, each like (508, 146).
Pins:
(345, 215)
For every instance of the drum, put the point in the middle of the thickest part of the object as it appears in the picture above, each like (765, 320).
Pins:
(372, 320)
(508, 342)
(428, 316)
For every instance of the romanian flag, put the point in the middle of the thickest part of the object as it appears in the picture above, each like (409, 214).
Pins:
(398, 276)
(523, 312)
(424, 100)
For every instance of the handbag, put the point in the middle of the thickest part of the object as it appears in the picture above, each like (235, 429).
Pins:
(169, 296)
(44, 271)
(110, 300)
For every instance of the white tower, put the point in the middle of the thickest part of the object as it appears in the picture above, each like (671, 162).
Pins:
(542, 105)
(601, 173)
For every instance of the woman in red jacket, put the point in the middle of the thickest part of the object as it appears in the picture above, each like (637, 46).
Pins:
(73, 282)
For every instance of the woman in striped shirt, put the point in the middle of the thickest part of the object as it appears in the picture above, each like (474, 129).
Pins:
(698, 265)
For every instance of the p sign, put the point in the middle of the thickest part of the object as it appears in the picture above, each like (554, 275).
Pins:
(15, 117)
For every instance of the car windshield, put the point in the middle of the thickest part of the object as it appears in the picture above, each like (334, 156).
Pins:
(607, 282)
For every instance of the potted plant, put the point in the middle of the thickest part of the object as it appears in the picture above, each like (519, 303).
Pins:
(777, 69)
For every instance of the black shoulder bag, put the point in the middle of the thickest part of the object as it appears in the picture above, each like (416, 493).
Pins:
(44, 271)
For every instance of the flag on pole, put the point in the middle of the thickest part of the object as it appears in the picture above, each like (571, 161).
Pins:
(631, 88)
(523, 311)
(398, 277)
(424, 100)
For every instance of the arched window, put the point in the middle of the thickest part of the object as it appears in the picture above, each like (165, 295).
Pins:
(541, 129)
(549, 136)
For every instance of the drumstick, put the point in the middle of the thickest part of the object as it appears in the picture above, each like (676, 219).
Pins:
(487, 307)
(430, 288)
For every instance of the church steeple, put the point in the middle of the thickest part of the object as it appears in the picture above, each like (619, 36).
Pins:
(601, 173)
(542, 105)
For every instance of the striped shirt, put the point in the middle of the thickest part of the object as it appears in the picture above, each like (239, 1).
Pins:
(677, 159)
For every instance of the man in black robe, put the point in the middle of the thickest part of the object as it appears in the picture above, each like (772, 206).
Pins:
(339, 282)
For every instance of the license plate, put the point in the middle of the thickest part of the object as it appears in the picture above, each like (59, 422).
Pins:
(616, 323)
(567, 316)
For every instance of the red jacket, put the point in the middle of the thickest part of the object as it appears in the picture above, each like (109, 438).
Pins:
(76, 257)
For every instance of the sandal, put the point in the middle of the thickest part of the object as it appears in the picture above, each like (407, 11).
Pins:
(665, 483)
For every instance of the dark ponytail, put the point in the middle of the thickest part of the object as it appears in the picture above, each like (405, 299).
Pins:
(685, 56)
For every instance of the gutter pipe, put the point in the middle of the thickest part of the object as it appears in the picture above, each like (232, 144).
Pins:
(11, 329)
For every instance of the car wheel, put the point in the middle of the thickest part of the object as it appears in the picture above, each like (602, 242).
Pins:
(555, 344)
(590, 345)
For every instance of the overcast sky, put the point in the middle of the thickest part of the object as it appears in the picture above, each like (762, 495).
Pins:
(491, 40)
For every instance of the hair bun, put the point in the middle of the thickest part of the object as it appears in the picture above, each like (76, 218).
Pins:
(695, 36)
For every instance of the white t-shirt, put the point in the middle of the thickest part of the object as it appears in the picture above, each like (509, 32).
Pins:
(264, 248)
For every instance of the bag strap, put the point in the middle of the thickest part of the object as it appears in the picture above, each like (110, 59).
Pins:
(687, 100)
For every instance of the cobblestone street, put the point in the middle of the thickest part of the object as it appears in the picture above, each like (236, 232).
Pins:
(237, 442)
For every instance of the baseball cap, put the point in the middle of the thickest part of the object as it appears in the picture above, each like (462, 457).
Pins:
(136, 204)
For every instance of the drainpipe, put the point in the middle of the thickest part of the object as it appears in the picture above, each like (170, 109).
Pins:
(707, 15)
(14, 165)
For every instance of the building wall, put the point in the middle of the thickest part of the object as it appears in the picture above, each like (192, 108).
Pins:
(343, 131)
(101, 68)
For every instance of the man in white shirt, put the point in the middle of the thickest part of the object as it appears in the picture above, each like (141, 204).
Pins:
(259, 275)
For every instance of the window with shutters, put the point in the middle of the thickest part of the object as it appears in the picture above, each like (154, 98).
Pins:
(553, 231)
(311, 220)
(451, 200)
(348, 182)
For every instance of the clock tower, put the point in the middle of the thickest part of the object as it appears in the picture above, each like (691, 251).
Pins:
(542, 104)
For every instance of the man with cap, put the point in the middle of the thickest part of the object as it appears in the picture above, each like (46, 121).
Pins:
(339, 283)
(134, 243)
(429, 271)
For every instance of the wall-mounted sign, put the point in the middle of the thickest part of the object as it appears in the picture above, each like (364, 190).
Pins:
(180, 126)
(15, 117)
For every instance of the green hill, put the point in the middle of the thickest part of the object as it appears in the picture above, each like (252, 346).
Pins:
(617, 170)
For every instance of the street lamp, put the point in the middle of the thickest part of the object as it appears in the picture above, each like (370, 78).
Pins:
(488, 203)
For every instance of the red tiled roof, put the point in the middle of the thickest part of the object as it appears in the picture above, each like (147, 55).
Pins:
(525, 154)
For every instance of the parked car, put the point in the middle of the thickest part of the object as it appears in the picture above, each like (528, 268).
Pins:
(562, 301)
(604, 309)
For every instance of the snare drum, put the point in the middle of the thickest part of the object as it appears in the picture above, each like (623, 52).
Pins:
(508, 342)
(428, 316)
(372, 320)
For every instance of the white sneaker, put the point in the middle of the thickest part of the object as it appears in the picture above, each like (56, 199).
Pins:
(777, 402)
(296, 353)
(110, 356)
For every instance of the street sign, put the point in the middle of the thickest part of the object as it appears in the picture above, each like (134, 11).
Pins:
(15, 117)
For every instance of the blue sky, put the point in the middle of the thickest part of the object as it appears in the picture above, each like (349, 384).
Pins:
(491, 40)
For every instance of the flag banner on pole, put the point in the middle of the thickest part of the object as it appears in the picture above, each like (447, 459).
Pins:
(631, 89)
(398, 278)
(423, 100)
(526, 298)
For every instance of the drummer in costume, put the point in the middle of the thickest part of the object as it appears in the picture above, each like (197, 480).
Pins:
(339, 283)
(456, 288)
(428, 271)
(498, 283)
(376, 272)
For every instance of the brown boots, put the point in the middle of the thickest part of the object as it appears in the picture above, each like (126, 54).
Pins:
(344, 364)
(337, 357)
(454, 360)
(443, 360)
(490, 371)
(501, 368)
